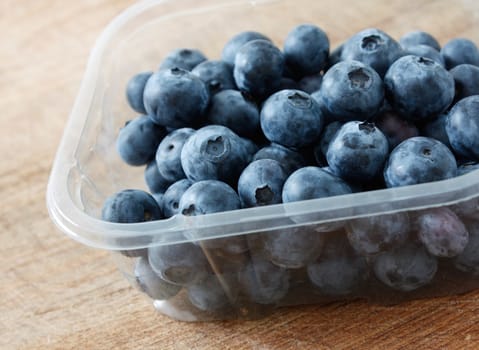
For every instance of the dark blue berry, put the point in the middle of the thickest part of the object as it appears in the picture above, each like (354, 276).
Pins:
(217, 75)
(459, 51)
(172, 196)
(134, 91)
(186, 59)
(291, 118)
(419, 37)
(176, 98)
(233, 45)
(138, 140)
(418, 87)
(418, 160)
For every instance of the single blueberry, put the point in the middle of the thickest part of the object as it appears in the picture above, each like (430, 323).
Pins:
(130, 206)
(181, 264)
(352, 90)
(374, 234)
(258, 68)
(462, 127)
(168, 154)
(306, 49)
(339, 270)
(466, 80)
(418, 87)
(289, 159)
(442, 232)
(357, 152)
(138, 140)
(418, 160)
(176, 98)
(405, 268)
(419, 37)
(208, 196)
(291, 118)
(312, 182)
(134, 91)
(215, 152)
(234, 110)
(459, 51)
(292, 247)
(261, 183)
(374, 48)
(217, 75)
(186, 59)
(233, 45)
(172, 196)
(151, 284)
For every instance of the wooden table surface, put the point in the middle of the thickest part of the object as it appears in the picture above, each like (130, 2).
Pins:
(56, 293)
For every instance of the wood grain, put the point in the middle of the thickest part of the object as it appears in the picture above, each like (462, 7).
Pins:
(58, 294)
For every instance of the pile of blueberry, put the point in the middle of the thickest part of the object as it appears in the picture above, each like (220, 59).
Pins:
(263, 126)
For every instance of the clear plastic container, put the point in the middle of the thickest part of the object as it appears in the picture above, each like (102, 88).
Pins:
(87, 168)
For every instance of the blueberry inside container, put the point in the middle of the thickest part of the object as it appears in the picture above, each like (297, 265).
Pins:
(232, 264)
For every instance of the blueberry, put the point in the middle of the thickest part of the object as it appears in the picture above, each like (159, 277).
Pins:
(395, 128)
(130, 206)
(418, 87)
(168, 154)
(134, 91)
(459, 51)
(292, 247)
(172, 196)
(217, 75)
(264, 282)
(466, 80)
(258, 68)
(312, 182)
(418, 160)
(352, 90)
(310, 83)
(186, 59)
(176, 98)
(371, 235)
(151, 284)
(419, 37)
(442, 232)
(436, 129)
(214, 152)
(373, 47)
(154, 180)
(306, 49)
(234, 110)
(291, 118)
(182, 264)
(208, 196)
(289, 159)
(214, 293)
(233, 45)
(426, 51)
(405, 268)
(462, 127)
(358, 151)
(138, 139)
(339, 270)
(261, 183)
(468, 259)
